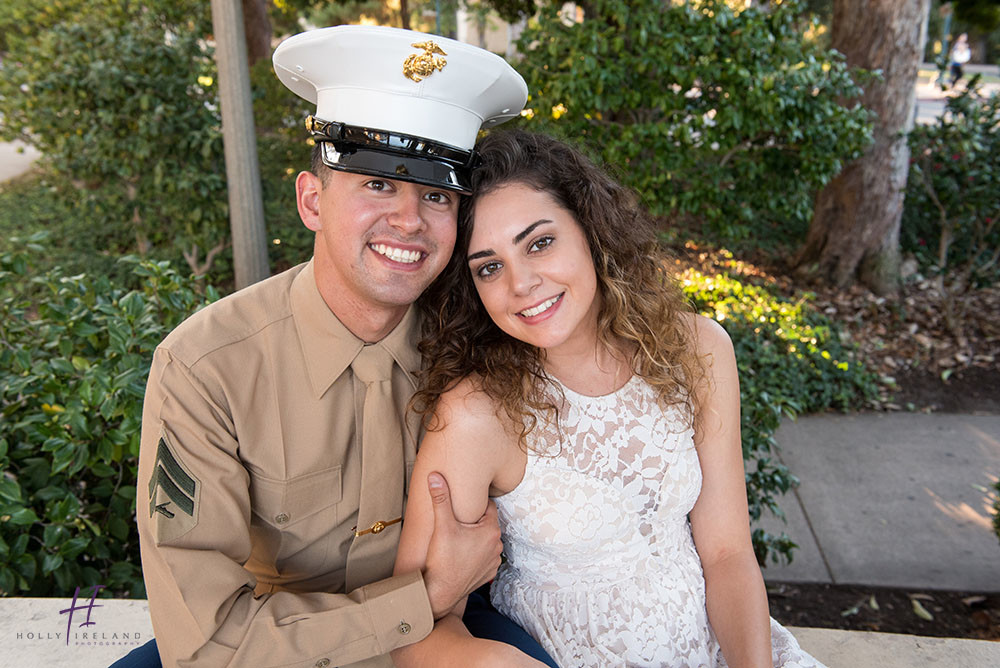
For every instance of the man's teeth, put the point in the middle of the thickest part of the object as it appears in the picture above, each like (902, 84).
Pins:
(544, 306)
(396, 254)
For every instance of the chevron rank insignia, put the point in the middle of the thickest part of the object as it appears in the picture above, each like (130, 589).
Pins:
(173, 496)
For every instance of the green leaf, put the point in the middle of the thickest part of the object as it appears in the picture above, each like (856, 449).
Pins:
(118, 528)
(121, 572)
(62, 366)
(54, 535)
(72, 548)
(20, 517)
(9, 490)
(51, 562)
(26, 566)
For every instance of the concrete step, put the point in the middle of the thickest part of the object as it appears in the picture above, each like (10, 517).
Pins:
(41, 632)
(50, 632)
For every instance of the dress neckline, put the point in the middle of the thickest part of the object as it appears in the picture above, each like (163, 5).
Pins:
(613, 393)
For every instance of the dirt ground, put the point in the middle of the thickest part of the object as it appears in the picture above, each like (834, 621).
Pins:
(944, 614)
(970, 390)
(934, 352)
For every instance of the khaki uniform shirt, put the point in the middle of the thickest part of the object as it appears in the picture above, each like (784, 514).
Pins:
(249, 485)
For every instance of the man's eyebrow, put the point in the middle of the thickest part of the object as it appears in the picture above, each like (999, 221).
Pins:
(518, 238)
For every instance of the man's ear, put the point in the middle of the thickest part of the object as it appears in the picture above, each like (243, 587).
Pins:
(308, 188)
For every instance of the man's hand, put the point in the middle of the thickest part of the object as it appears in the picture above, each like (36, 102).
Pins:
(461, 556)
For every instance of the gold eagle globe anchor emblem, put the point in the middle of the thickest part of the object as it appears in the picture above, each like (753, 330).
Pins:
(418, 66)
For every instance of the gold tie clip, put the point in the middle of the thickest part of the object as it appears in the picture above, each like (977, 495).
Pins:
(377, 527)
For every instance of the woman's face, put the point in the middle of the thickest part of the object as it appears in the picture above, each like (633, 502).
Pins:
(531, 264)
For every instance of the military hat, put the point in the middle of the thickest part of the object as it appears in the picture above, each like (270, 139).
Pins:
(396, 103)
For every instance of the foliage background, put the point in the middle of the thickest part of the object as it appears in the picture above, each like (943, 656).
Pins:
(73, 368)
(725, 122)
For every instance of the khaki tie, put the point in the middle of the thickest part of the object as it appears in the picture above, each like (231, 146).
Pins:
(376, 537)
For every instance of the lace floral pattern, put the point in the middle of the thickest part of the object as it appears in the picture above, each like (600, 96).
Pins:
(601, 567)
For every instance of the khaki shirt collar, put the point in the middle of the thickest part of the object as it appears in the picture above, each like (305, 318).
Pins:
(329, 347)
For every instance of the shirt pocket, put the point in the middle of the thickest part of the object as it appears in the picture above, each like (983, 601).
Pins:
(294, 522)
(285, 504)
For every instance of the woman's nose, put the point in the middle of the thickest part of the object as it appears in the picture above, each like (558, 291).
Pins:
(524, 278)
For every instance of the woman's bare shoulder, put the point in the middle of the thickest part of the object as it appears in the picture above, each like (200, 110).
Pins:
(709, 336)
(467, 442)
(466, 404)
(466, 417)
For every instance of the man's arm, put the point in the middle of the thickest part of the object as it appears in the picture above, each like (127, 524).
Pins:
(194, 519)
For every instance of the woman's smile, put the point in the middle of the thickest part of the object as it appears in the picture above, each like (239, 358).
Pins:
(542, 308)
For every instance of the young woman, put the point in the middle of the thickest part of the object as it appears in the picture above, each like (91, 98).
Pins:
(569, 381)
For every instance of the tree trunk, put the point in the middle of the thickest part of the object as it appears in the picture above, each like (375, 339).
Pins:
(404, 14)
(257, 28)
(855, 228)
(246, 207)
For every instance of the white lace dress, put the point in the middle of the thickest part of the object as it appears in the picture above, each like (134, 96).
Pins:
(601, 567)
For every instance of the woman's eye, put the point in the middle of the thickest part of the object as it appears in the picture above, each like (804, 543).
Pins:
(488, 269)
(541, 243)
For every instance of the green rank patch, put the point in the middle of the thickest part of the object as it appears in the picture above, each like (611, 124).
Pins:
(173, 496)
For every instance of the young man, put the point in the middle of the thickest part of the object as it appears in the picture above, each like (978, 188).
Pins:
(276, 448)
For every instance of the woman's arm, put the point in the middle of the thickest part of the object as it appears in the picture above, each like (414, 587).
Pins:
(736, 597)
(471, 450)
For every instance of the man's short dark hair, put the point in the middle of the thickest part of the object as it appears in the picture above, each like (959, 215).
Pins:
(316, 165)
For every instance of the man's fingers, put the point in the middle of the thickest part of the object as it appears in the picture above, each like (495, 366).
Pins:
(440, 498)
(490, 516)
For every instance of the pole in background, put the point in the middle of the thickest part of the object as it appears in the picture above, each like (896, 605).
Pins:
(239, 139)
(946, 12)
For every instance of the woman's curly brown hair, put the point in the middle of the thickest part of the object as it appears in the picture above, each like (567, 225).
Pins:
(640, 306)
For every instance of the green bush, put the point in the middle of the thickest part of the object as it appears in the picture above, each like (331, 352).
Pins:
(122, 101)
(30, 204)
(729, 118)
(120, 98)
(790, 361)
(951, 215)
(73, 369)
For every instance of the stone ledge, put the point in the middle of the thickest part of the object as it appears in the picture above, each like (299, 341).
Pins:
(33, 632)
(865, 649)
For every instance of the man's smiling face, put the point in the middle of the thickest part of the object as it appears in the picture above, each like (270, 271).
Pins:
(380, 242)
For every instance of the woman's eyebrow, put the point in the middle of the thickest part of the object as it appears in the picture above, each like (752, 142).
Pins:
(529, 229)
(518, 238)
(482, 253)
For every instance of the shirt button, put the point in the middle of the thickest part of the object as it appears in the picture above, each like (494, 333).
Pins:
(404, 628)
(281, 519)
(322, 663)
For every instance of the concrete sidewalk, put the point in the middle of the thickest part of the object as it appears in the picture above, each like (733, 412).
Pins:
(896, 500)
(930, 100)
(16, 158)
